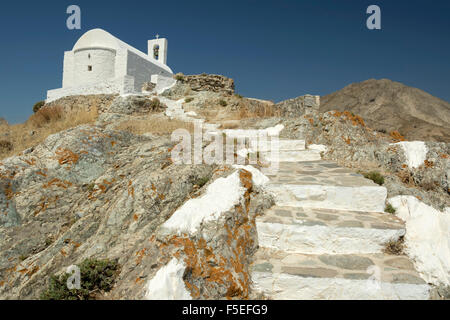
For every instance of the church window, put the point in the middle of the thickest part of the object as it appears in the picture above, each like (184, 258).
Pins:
(89, 68)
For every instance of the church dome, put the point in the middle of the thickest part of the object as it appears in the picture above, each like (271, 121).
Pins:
(97, 38)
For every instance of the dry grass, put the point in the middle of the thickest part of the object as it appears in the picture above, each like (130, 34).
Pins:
(406, 177)
(160, 126)
(230, 124)
(39, 126)
(395, 247)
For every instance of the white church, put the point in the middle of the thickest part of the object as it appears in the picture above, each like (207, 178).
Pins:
(100, 63)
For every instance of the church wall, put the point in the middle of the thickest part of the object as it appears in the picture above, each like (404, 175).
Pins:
(68, 69)
(142, 70)
(94, 65)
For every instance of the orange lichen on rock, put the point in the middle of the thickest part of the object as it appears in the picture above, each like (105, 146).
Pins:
(355, 119)
(33, 271)
(347, 140)
(41, 174)
(58, 183)
(30, 162)
(9, 193)
(337, 114)
(44, 204)
(140, 255)
(220, 266)
(396, 136)
(66, 156)
(428, 164)
(130, 188)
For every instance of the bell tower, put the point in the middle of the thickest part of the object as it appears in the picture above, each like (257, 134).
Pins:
(157, 49)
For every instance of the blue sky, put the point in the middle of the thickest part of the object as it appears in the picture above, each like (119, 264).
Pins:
(272, 49)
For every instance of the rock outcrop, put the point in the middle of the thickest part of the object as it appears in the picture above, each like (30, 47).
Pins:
(93, 192)
(209, 82)
(99, 101)
(300, 106)
(313, 229)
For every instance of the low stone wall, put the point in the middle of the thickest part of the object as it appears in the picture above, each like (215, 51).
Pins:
(209, 82)
(303, 105)
(120, 85)
(99, 101)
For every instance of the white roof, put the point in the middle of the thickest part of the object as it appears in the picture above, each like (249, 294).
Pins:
(103, 39)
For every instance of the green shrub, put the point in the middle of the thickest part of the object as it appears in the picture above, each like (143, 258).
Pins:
(179, 76)
(187, 100)
(96, 276)
(201, 181)
(223, 103)
(91, 187)
(23, 257)
(238, 96)
(49, 241)
(38, 105)
(389, 208)
(375, 177)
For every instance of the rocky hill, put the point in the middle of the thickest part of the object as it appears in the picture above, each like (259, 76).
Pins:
(386, 105)
(108, 195)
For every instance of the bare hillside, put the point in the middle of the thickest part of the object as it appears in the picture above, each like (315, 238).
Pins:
(388, 105)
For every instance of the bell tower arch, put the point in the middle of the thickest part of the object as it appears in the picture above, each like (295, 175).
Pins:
(157, 49)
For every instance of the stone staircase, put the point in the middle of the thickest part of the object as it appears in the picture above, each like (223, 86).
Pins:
(175, 110)
(325, 237)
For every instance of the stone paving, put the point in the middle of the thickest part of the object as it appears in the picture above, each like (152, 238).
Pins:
(325, 238)
(396, 269)
(318, 173)
(330, 217)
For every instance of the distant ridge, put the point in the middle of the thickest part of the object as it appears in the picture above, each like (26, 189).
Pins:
(389, 105)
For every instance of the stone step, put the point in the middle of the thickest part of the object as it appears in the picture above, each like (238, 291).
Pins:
(281, 275)
(321, 167)
(291, 156)
(319, 231)
(356, 198)
(324, 179)
(283, 145)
